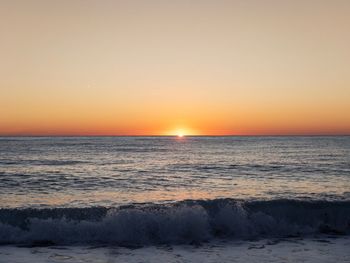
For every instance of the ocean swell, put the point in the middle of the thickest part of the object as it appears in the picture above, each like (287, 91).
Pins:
(180, 223)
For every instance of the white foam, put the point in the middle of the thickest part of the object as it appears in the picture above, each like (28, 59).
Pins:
(181, 223)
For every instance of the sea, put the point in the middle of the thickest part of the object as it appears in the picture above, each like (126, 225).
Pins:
(175, 199)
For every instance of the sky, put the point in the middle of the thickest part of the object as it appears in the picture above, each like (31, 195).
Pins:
(250, 67)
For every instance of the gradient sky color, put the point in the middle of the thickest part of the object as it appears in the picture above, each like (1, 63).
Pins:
(164, 67)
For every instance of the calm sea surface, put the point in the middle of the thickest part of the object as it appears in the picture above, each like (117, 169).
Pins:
(111, 171)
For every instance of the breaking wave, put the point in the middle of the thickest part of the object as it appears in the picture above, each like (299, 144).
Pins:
(184, 222)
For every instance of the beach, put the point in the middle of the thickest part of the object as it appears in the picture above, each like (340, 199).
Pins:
(313, 250)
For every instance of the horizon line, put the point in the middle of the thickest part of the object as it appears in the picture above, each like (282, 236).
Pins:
(202, 135)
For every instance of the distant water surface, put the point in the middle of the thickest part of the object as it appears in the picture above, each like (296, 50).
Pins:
(110, 171)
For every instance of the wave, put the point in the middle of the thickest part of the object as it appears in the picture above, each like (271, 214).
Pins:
(184, 222)
(41, 162)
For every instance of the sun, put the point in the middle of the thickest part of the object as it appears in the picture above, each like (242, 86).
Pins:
(180, 135)
(181, 132)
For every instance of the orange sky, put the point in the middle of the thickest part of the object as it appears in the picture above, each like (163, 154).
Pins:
(164, 67)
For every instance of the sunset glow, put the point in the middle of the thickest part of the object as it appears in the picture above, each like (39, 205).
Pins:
(137, 68)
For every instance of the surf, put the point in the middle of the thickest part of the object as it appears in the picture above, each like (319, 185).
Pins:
(186, 222)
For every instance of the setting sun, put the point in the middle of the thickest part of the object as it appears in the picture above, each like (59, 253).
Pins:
(181, 132)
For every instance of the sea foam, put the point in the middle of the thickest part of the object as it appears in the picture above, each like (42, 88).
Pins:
(184, 222)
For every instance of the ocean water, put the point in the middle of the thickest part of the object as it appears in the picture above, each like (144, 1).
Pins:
(155, 191)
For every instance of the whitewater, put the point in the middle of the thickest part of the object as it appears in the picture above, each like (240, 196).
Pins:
(169, 199)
